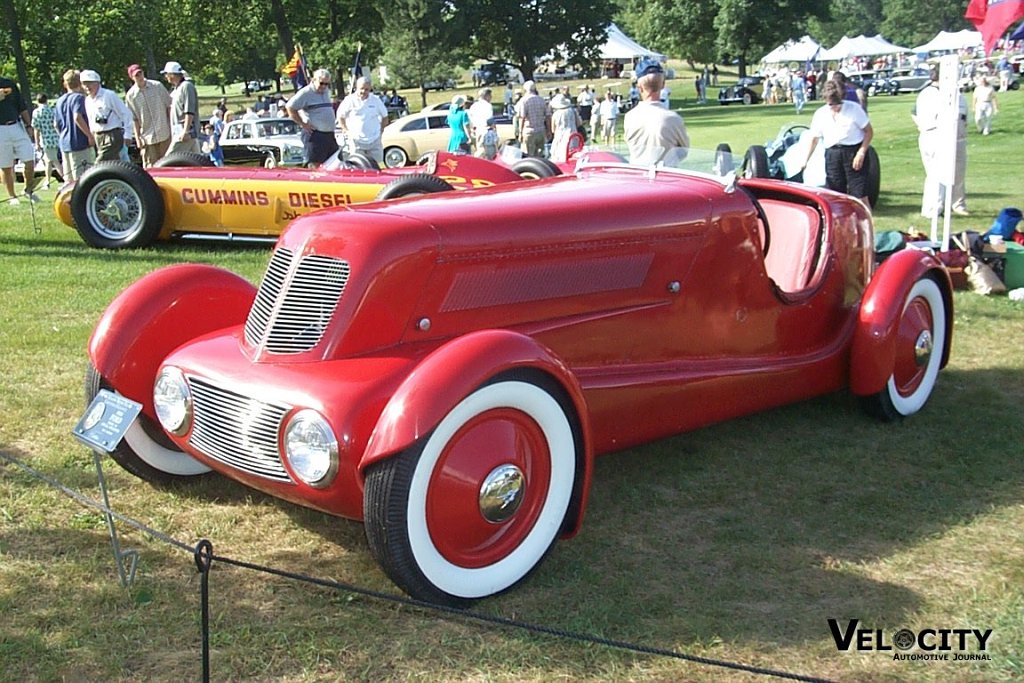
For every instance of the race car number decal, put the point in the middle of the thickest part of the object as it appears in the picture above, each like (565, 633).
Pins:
(471, 182)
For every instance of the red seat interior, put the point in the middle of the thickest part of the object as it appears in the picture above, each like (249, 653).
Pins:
(795, 232)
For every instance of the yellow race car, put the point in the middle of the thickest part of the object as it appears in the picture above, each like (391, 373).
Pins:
(119, 205)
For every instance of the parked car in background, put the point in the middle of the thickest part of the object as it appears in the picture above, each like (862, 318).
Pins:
(410, 137)
(442, 84)
(447, 368)
(262, 142)
(913, 81)
(747, 90)
(873, 82)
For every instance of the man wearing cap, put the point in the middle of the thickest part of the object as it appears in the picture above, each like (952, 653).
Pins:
(653, 133)
(534, 116)
(184, 110)
(150, 104)
(363, 118)
(107, 115)
(75, 137)
(15, 140)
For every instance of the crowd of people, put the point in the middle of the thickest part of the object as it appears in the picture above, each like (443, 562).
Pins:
(90, 123)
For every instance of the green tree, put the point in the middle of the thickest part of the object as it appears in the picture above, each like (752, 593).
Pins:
(522, 32)
(680, 29)
(748, 29)
(847, 18)
(910, 23)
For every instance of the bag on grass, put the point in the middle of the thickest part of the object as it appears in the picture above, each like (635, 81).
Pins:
(983, 279)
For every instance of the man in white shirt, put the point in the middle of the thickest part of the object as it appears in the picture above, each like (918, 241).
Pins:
(654, 134)
(108, 117)
(926, 113)
(479, 114)
(363, 119)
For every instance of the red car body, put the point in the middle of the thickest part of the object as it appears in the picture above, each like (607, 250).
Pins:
(482, 346)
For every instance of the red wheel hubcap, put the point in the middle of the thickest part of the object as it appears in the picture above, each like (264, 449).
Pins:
(458, 528)
(913, 346)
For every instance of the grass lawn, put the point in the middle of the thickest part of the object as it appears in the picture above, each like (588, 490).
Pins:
(736, 542)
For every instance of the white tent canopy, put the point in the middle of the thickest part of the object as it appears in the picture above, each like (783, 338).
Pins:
(794, 51)
(620, 46)
(947, 41)
(861, 46)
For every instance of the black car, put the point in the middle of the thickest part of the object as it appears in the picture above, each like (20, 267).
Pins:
(747, 90)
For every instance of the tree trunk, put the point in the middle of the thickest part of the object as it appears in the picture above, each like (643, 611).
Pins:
(11, 17)
(284, 29)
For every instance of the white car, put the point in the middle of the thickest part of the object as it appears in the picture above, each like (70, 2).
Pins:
(410, 137)
(262, 142)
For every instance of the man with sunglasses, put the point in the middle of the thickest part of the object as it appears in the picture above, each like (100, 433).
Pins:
(312, 108)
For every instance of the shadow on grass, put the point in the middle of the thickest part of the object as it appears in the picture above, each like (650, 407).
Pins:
(753, 531)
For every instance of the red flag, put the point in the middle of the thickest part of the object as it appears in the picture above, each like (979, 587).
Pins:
(993, 18)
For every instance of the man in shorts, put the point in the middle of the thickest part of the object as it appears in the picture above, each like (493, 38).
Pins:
(15, 139)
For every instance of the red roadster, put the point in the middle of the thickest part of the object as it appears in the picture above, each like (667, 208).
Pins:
(446, 368)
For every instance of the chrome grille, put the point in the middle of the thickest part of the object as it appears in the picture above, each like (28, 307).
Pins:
(270, 288)
(237, 430)
(295, 302)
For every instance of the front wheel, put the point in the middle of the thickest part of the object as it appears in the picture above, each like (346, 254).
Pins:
(472, 509)
(145, 451)
(755, 162)
(395, 157)
(270, 161)
(920, 346)
(117, 205)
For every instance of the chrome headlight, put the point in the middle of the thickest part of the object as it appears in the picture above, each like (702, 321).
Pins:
(311, 448)
(173, 401)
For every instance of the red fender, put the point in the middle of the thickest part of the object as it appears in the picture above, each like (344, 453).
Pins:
(451, 373)
(158, 313)
(873, 352)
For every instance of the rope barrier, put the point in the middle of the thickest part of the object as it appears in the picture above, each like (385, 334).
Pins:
(204, 557)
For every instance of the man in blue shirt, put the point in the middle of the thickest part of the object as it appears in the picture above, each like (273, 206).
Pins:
(76, 141)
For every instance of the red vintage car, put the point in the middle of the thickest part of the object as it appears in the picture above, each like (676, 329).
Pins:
(446, 368)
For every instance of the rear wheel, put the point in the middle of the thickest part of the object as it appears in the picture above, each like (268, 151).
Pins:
(360, 160)
(471, 510)
(920, 345)
(534, 168)
(145, 451)
(117, 205)
(412, 184)
(184, 160)
(874, 184)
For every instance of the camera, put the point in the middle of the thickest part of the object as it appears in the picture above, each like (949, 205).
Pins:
(102, 118)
